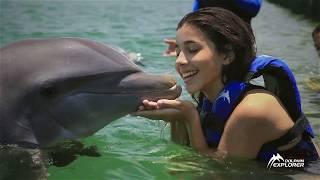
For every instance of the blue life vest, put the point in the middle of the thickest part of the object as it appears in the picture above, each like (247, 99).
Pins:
(278, 79)
(250, 7)
(195, 6)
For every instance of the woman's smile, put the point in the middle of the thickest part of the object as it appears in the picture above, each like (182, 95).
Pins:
(188, 75)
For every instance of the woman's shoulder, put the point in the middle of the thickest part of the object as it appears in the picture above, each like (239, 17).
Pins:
(261, 111)
(260, 102)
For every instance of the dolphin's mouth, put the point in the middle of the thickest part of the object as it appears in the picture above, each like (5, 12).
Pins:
(151, 95)
(171, 93)
(139, 84)
(175, 89)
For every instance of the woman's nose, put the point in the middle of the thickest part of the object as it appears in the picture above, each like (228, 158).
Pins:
(181, 59)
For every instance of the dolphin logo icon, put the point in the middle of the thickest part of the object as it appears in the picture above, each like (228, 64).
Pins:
(225, 95)
(274, 158)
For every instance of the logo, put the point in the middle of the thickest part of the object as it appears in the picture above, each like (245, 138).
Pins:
(277, 161)
(225, 96)
(274, 158)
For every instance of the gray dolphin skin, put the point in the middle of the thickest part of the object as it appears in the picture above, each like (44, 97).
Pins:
(67, 88)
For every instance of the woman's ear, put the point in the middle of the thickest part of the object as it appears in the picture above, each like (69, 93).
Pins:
(229, 55)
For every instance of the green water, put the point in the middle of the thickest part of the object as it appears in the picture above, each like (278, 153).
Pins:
(136, 148)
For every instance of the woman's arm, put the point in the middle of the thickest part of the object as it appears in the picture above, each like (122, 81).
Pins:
(179, 133)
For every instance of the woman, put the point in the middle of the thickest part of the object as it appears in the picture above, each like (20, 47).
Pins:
(215, 49)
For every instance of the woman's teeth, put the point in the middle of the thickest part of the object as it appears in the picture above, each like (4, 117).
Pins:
(189, 74)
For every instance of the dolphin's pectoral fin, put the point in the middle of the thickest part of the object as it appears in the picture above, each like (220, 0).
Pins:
(61, 159)
(22, 163)
(91, 151)
(66, 152)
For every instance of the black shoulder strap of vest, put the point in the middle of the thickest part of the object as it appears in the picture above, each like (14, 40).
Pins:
(277, 81)
(297, 129)
(300, 121)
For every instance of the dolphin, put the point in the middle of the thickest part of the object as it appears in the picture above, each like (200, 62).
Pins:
(58, 89)
(134, 57)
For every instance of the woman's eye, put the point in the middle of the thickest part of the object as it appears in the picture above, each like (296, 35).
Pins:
(192, 50)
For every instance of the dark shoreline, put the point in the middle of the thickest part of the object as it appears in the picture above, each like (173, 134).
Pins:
(309, 8)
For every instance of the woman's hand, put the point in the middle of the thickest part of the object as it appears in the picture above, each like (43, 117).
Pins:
(171, 51)
(167, 110)
(177, 112)
(184, 118)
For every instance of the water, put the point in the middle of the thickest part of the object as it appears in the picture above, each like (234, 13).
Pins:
(136, 148)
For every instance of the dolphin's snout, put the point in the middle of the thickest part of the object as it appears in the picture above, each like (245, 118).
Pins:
(165, 87)
(151, 87)
(141, 81)
(176, 91)
(170, 80)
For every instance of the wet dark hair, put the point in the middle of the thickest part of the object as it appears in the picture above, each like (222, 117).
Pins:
(229, 33)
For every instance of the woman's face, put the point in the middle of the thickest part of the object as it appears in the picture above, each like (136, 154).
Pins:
(198, 62)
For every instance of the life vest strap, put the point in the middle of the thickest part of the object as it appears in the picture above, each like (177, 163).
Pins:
(250, 75)
(297, 130)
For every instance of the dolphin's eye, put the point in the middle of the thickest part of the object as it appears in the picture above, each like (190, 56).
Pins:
(48, 91)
